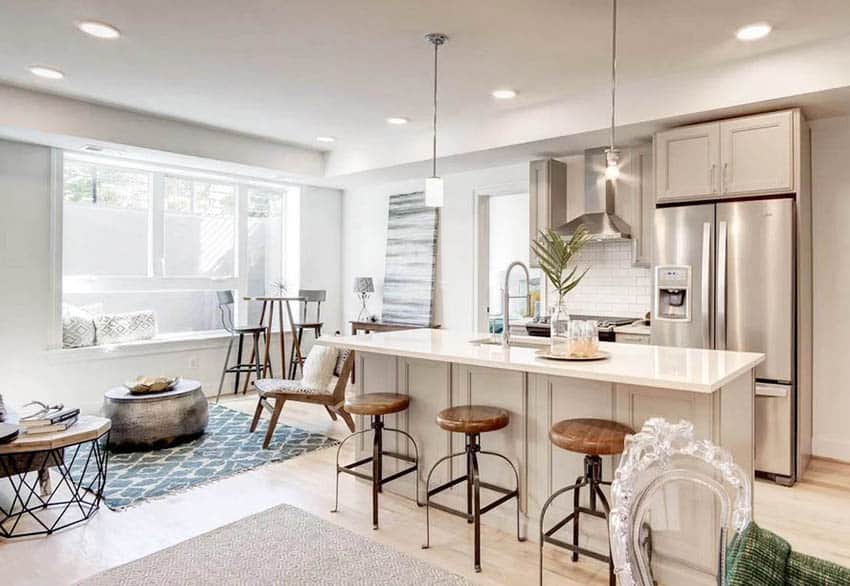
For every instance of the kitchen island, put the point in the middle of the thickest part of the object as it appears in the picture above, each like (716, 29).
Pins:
(443, 368)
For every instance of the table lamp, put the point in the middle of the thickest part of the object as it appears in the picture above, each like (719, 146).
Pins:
(364, 287)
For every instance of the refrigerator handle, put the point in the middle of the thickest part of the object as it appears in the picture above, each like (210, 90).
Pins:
(706, 276)
(721, 286)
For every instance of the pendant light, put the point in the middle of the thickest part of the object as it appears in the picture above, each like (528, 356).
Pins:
(434, 184)
(612, 155)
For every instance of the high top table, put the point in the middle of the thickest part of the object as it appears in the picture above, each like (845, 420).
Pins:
(268, 302)
(78, 455)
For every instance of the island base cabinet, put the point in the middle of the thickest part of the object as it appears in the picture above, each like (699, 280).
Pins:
(685, 523)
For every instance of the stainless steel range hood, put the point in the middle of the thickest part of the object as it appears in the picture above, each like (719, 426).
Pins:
(600, 219)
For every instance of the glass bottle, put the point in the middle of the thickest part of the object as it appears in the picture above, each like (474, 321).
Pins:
(559, 341)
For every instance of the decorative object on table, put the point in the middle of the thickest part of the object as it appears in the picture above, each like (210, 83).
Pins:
(598, 355)
(279, 287)
(38, 417)
(555, 256)
(411, 262)
(223, 451)
(2, 410)
(153, 420)
(151, 384)
(113, 328)
(326, 373)
(78, 457)
(308, 296)
(8, 433)
(434, 184)
(364, 287)
(305, 550)
(225, 308)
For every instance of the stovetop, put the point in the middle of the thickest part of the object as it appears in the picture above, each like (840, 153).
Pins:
(603, 322)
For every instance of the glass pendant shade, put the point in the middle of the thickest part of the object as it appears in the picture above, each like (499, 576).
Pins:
(434, 192)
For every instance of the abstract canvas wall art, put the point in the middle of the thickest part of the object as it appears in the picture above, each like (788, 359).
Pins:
(411, 263)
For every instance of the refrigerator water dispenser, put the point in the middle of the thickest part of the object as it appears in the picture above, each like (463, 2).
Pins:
(672, 293)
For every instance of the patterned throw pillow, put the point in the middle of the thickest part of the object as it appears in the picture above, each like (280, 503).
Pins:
(77, 327)
(113, 328)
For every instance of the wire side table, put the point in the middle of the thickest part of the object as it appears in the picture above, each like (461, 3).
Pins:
(77, 458)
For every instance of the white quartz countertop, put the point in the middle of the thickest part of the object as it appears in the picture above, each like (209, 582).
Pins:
(685, 369)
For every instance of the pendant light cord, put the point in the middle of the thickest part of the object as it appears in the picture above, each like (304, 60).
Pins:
(613, 68)
(434, 148)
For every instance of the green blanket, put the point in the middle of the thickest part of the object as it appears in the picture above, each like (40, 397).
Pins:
(758, 557)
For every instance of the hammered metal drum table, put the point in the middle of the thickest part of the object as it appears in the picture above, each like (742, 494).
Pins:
(155, 420)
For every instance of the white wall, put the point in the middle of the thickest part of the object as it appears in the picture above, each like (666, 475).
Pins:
(831, 241)
(364, 224)
(74, 377)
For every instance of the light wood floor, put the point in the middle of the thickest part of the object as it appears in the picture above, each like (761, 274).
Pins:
(814, 516)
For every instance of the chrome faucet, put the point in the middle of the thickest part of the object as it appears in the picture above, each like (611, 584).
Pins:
(506, 301)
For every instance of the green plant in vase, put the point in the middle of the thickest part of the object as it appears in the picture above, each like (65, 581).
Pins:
(556, 258)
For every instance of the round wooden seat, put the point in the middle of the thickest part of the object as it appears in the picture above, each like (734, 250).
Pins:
(595, 437)
(473, 419)
(377, 404)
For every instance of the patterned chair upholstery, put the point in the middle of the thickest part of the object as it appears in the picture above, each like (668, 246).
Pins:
(274, 392)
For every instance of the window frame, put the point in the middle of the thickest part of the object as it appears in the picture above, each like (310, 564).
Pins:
(156, 280)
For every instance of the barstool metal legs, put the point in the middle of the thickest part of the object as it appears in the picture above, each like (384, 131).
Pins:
(377, 477)
(224, 369)
(474, 510)
(593, 480)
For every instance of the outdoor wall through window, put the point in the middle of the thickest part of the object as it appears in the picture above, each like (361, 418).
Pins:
(138, 238)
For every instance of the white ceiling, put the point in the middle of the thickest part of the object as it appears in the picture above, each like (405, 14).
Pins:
(291, 70)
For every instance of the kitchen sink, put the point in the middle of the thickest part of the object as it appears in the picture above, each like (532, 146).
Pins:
(516, 342)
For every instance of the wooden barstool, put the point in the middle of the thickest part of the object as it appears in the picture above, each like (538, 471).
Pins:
(376, 405)
(471, 420)
(594, 438)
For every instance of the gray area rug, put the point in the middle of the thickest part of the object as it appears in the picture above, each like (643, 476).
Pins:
(225, 449)
(282, 545)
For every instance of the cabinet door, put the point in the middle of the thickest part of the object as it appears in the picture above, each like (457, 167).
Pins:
(547, 199)
(687, 162)
(757, 154)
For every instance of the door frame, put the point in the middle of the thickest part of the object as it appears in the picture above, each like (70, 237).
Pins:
(481, 247)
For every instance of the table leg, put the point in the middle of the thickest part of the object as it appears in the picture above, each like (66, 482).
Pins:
(282, 336)
(267, 361)
(295, 341)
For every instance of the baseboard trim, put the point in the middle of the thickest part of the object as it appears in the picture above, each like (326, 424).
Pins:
(831, 449)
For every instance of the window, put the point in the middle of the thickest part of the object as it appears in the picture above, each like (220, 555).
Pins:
(137, 237)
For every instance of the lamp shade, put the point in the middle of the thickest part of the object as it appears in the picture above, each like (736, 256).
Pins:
(363, 285)
(434, 192)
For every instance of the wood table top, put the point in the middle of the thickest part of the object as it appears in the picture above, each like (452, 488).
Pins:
(87, 428)
(273, 298)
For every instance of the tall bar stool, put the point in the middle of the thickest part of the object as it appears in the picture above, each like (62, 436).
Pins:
(594, 438)
(471, 420)
(376, 405)
(307, 296)
(225, 307)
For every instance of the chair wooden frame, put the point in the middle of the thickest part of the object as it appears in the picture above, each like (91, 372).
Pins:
(334, 403)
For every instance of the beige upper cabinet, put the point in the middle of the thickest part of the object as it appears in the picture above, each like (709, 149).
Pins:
(757, 154)
(635, 201)
(743, 156)
(687, 162)
(547, 198)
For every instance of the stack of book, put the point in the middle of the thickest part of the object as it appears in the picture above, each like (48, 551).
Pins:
(51, 422)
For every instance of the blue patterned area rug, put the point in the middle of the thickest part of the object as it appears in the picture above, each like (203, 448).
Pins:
(225, 449)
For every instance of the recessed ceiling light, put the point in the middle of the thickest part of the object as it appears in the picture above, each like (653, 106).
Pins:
(503, 94)
(46, 72)
(754, 31)
(397, 120)
(326, 139)
(101, 30)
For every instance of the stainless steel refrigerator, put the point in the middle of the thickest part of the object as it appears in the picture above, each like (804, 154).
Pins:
(724, 278)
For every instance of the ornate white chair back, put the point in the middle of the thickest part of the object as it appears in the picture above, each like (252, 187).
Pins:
(653, 458)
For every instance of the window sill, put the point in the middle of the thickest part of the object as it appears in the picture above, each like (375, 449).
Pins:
(162, 344)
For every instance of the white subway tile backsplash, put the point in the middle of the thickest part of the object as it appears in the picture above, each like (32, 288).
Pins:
(612, 286)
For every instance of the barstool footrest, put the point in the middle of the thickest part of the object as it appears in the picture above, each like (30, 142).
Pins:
(577, 549)
(449, 484)
(502, 499)
(507, 495)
